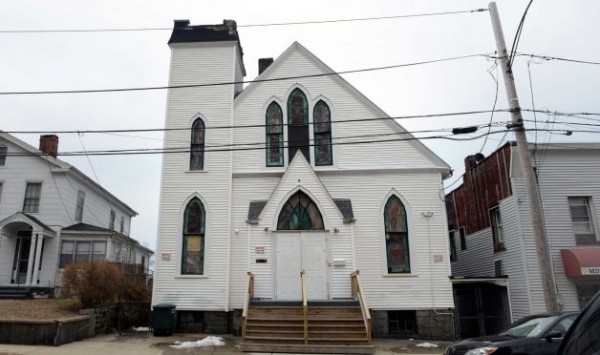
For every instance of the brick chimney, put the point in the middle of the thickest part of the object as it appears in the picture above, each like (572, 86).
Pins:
(263, 64)
(49, 144)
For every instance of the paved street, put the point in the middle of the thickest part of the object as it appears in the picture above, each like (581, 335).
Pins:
(145, 344)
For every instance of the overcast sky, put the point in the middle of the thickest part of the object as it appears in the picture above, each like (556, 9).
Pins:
(136, 59)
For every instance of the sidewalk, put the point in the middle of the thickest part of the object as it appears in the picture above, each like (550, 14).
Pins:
(144, 343)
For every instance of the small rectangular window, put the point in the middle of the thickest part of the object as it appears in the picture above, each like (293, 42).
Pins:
(1, 186)
(498, 268)
(117, 246)
(82, 251)
(66, 253)
(122, 227)
(111, 223)
(497, 229)
(463, 240)
(33, 191)
(3, 150)
(453, 256)
(79, 207)
(581, 218)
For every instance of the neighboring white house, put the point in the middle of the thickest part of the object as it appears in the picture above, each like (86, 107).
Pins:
(288, 189)
(52, 214)
(492, 210)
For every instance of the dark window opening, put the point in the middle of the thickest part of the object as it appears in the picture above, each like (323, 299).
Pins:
(498, 272)
(298, 135)
(402, 323)
(274, 127)
(322, 134)
(453, 256)
(463, 240)
(190, 322)
(197, 145)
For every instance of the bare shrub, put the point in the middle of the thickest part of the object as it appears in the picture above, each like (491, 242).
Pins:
(94, 284)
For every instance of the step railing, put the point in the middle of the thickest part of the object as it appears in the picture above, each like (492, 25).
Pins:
(358, 293)
(249, 296)
(304, 306)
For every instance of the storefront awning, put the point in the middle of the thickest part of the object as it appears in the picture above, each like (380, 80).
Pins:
(581, 262)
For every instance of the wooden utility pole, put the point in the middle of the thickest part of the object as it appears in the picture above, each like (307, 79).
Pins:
(539, 234)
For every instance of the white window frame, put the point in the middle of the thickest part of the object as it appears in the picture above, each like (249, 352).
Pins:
(91, 254)
(497, 229)
(587, 203)
(39, 197)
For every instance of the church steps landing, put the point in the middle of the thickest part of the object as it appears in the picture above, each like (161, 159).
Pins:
(273, 326)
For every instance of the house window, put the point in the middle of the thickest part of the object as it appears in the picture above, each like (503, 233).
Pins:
(194, 221)
(300, 213)
(81, 251)
(463, 240)
(122, 226)
(298, 137)
(453, 256)
(118, 248)
(322, 134)
(396, 236)
(111, 223)
(3, 150)
(79, 208)
(581, 217)
(197, 145)
(33, 191)
(497, 229)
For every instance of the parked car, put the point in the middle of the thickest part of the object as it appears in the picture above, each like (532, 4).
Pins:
(539, 334)
(583, 338)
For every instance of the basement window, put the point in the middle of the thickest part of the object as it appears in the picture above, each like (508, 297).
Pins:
(402, 323)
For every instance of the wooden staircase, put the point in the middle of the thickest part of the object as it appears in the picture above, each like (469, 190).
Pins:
(334, 327)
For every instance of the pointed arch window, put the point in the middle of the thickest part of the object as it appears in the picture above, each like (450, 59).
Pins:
(322, 133)
(396, 237)
(194, 221)
(274, 124)
(197, 145)
(298, 135)
(300, 213)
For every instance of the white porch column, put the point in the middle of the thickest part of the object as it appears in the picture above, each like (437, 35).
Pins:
(38, 258)
(32, 247)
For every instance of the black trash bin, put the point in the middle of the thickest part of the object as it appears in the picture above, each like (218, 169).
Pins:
(164, 319)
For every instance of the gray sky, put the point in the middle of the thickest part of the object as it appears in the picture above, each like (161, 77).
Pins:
(136, 59)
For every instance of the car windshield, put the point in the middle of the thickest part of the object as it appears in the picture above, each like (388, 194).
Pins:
(530, 328)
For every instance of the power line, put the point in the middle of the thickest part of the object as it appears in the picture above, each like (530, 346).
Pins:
(229, 149)
(548, 58)
(515, 44)
(187, 86)
(144, 29)
(433, 115)
(495, 78)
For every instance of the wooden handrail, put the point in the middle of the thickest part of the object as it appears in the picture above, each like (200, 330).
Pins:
(358, 293)
(304, 306)
(249, 296)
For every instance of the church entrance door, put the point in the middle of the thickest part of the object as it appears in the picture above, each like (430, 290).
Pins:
(297, 251)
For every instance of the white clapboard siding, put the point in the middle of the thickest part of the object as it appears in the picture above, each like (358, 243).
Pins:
(478, 259)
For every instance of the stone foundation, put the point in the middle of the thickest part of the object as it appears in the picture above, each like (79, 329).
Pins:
(429, 325)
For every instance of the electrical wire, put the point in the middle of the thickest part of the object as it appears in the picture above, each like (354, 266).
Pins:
(515, 44)
(495, 78)
(187, 86)
(548, 58)
(143, 29)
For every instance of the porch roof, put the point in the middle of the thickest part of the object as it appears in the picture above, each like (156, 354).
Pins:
(34, 222)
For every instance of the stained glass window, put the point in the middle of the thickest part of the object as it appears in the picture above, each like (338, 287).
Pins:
(197, 146)
(192, 262)
(396, 236)
(300, 213)
(322, 134)
(274, 135)
(298, 124)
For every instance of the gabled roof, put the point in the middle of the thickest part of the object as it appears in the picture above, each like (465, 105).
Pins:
(65, 167)
(29, 219)
(377, 111)
(84, 227)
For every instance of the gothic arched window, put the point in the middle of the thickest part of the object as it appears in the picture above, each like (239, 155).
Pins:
(322, 134)
(197, 145)
(274, 124)
(300, 213)
(396, 236)
(194, 221)
(298, 136)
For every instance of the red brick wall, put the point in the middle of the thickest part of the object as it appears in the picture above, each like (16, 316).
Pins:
(484, 185)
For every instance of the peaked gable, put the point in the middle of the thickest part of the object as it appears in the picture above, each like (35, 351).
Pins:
(320, 69)
(299, 175)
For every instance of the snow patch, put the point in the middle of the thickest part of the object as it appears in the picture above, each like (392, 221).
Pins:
(140, 329)
(427, 345)
(204, 343)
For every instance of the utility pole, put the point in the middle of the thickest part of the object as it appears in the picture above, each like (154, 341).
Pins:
(539, 234)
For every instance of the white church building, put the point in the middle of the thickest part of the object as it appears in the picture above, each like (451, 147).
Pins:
(289, 175)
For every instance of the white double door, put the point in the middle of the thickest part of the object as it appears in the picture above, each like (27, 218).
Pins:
(297, 251)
